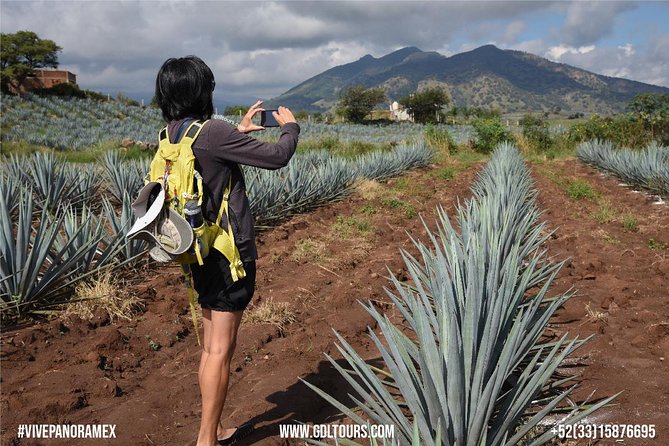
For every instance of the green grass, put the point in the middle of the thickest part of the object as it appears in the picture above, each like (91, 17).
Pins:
(446, 173)
(410, 212)
(392, 202)
(630, 223)
(351, 227)
(657, 245)
(580, 190)
(397, 204)
(367, 209)
(469, 157)
(20, 148)
(345, 149)
(608, 238)
(401, 184)
(605, 214)
(89, 155)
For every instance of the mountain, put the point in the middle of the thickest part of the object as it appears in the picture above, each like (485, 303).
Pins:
(487, 77)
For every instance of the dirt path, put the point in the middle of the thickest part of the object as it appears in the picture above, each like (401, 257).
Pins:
(622, 291)
(142, 375)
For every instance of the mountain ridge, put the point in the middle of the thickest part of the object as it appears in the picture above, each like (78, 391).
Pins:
(486, 77)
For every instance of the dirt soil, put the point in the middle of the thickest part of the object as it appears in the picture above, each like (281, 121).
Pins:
(142, 375)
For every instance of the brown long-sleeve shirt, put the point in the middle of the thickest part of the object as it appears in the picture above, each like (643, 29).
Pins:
(218, 150)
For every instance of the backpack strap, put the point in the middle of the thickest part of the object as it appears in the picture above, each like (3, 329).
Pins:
(192, 299)
(193, 128)
(192, 132)
(225, 240)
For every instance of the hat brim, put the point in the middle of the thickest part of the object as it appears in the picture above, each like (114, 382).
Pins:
(171, 232)
(147, 207)
(159, 224)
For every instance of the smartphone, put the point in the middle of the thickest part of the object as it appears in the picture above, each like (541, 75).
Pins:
(267, 119)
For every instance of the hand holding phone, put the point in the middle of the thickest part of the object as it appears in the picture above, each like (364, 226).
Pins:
(267, 118)
(283, 115)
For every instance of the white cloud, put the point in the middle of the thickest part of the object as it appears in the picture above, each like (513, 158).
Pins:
(628, 49)
(649, 66)
(556, 52)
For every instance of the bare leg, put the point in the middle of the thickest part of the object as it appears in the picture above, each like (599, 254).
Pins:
(220, 336)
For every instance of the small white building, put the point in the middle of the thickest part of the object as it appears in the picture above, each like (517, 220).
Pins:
(398, 113)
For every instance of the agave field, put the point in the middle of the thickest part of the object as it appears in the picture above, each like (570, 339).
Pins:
(78, 230)
(461, 302)
(76, 124)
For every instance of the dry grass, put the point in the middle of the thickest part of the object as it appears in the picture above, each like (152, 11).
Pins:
(594, 315)
(278, 314)
(113, 297)
(369, 189)
(607, 237)
(309, 250)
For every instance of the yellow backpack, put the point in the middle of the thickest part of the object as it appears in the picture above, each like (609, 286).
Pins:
(174, 167)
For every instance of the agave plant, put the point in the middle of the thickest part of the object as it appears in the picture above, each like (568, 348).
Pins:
(309, 180)
(380, 165)
(33, 271)
(85, 184)
(80, 229)
(473, 370)
(123, 176)
(49, 182)
(10, 187)
(647, 168)
(74, 124)
(315, 178)
(118, 225)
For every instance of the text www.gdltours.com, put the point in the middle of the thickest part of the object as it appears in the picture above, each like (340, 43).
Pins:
(331, 431)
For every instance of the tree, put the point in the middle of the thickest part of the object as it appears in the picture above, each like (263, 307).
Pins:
(426, 105)
(653, 110)
(235, 110)
(355, 102)
(21, 53)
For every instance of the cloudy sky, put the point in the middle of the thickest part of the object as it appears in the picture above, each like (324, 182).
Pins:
(261, 49)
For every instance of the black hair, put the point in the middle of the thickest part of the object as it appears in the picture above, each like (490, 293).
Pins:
(184, 89)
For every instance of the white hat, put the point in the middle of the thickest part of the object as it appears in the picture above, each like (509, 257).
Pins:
(160, 225)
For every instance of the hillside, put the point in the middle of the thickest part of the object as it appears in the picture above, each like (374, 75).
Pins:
(512, 81)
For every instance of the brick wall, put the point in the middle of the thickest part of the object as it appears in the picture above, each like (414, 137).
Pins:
(47, 79)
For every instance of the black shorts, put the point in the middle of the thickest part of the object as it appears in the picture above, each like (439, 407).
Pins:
(214, 285)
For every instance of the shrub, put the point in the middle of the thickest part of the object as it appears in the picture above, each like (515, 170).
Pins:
(622, 130)
(438, 138)
(62, 90)
(536, 133)
(489, 133)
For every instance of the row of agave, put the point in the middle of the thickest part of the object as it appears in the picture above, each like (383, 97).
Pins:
(62, 223)
(647, 168)
(75, 124)
(315, 178)
(471, 364)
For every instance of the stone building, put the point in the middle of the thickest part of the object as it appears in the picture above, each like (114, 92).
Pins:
(47, 79)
